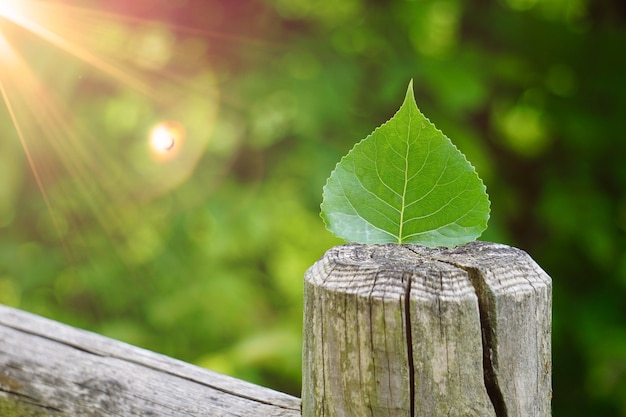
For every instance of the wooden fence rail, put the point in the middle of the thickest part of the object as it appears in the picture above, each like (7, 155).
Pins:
(50, 369)
(389, 330)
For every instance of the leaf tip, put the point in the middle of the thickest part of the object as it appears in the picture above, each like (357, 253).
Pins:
(410, 96)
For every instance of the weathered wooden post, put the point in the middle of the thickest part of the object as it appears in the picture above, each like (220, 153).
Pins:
(403, 330)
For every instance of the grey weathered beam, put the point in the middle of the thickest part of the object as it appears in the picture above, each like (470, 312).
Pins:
(50, 369)
(402, 330)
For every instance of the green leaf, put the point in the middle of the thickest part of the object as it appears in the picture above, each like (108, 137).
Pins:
(406, 183)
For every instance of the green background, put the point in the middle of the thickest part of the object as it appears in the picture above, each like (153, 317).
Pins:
(200, 254)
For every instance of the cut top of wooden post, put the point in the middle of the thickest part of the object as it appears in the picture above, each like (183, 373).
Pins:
(408, 330)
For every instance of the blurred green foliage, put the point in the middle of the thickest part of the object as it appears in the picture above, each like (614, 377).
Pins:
(200, 254)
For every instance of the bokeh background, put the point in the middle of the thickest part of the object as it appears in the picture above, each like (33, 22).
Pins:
(198, 251)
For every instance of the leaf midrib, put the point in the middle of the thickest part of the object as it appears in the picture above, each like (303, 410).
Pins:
(406, 179)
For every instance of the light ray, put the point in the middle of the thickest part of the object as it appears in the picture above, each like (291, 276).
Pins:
(71, 29)
(11, 63)
(44, 26)
(42, 110)
(87, 14)
(27, 152)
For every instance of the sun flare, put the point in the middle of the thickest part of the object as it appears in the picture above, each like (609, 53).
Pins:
(54, 58)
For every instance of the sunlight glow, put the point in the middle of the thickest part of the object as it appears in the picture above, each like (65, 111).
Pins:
(48, 53)
(11, 9)
(81, 33)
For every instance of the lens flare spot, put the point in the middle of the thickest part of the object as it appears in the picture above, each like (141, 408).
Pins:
(166, 139)
(162, 139)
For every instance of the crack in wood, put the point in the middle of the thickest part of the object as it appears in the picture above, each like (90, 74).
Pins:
(487, 323)
(409, 342)
(32, 401)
